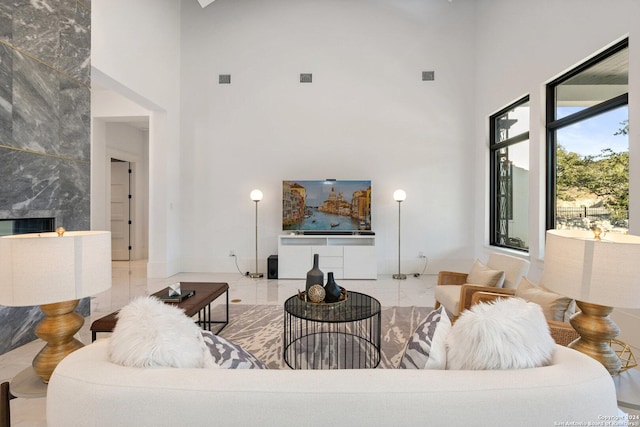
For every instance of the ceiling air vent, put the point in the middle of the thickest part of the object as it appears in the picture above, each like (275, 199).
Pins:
(224, 79)
(305, 77)
(428, 76)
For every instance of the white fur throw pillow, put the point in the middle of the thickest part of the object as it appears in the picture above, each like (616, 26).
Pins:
(505, 334)
(150, 333)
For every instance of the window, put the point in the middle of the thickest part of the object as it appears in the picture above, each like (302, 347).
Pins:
(509, 185)
(588, 144)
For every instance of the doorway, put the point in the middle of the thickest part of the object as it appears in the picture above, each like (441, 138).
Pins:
(121, 210)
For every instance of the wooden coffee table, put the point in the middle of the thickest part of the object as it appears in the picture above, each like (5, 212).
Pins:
(200, 304)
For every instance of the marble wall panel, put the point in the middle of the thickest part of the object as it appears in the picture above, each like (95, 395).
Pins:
(74, 103)
(36, 126)
(57, 33)
(74, 194)
(24, 319)
(45, 80)
(6, 20)
(50, 111)
(75, 41)
(43, 183)
(6, 95)
(36, 29)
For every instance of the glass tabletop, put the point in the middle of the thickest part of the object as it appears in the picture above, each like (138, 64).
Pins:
(356, 306)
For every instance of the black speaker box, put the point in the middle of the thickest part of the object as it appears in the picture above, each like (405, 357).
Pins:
(272, 267)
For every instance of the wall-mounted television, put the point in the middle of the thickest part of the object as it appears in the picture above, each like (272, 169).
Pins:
(326, 206)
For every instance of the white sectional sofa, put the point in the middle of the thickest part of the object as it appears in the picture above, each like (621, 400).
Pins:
(86, 389)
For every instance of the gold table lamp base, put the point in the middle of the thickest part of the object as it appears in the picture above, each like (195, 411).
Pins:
(57, 328)
(596, 330)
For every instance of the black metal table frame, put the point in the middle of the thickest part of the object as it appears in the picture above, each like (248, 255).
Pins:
(330, 336)
(204, 316)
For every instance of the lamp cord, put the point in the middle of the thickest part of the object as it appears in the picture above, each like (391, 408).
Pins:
(426, 261)
(235, 257)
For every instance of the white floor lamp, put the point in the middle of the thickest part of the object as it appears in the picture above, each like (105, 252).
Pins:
(399, 196)
(256, 196)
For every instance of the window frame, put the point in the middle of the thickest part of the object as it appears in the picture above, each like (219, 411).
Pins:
(494, 173)
(553, 124)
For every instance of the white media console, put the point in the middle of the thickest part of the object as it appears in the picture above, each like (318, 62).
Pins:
(347, 256)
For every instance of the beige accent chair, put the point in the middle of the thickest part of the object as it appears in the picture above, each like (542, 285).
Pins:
(454, 293)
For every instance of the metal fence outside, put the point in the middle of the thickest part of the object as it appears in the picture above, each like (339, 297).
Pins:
(586, 218)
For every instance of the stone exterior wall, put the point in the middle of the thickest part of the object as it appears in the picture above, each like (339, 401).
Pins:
(45, 120)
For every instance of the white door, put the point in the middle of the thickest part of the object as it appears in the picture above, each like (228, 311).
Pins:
(120, 211)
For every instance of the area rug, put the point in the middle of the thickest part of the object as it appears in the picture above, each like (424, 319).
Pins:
(259, 330)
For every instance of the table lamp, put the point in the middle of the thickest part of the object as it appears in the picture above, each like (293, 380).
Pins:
(600, 272)
(54, 270)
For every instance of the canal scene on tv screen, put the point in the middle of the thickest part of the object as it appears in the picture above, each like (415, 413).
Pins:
(326, 205)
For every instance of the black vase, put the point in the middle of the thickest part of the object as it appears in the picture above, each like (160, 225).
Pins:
(314, 276)
(331, 289)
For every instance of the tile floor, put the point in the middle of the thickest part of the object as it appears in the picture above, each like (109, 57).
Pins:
(130, 280)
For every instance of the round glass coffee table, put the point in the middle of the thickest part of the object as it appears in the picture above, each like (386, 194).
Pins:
(344, 335)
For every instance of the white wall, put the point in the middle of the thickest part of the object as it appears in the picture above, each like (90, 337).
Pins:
(137, 45)
(367, 115)
(521, 45)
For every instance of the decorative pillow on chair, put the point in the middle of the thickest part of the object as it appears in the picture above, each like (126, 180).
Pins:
(505, 334)
(150, 333)
(554, 306)
(230, 355)
(482, 275)
(426, 348)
